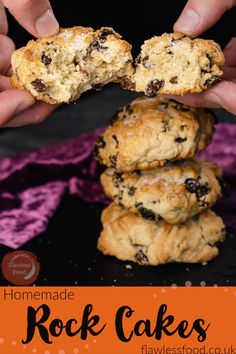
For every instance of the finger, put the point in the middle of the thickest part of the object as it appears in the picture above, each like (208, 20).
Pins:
(230, 52)
(7, 47)
(13, 102)
(4, 83)
(229, 73)
(35, 16)
(223, 95)
(33, 115)
(199, 15)
(3, 19)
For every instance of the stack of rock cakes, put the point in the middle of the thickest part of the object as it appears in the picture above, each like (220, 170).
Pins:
(162, 193)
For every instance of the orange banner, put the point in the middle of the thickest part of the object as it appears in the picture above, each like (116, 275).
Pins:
(115, 320)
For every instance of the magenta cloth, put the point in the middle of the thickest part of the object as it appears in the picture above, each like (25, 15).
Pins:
(32, 185)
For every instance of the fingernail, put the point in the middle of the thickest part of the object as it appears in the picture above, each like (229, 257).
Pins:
(213, 98)
(188, 21)
(47, 25)
(231, 42)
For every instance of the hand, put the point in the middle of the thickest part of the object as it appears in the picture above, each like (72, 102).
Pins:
(197, 17)
(18, 107)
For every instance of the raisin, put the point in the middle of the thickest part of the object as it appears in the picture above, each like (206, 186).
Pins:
(131, 190)
(138, 172)
(126, 83)
(154, 86)
(147, 214)
(104, 33)
(99, 144)
(212, 81)
(95, 45)
(116, 140)
(174, 80)
(170, 52)
(191, 185)
(141, 258)
(39, 85)
(180, 140)
(46, 60)
(113, 160)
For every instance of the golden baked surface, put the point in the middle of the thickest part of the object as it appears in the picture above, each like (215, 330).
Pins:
(174, 192)
(148, 132)
(128, 236)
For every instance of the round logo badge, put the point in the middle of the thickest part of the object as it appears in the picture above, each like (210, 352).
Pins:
(20, 267)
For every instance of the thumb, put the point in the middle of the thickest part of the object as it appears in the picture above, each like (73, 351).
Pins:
(222, 95)
(199, 15)
(36, 16)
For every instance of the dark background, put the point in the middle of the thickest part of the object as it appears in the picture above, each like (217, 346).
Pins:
(135, 21)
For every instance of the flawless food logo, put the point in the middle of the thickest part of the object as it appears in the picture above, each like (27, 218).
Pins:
(20, 267)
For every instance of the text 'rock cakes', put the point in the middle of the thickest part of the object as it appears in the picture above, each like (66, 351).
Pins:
(151, 131)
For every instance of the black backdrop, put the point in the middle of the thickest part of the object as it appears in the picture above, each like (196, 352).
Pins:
(135, 20)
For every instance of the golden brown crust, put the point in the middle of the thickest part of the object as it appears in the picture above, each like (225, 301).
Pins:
(174, 192)
(148, 132)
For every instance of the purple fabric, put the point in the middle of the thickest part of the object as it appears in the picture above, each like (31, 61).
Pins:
(32, 185)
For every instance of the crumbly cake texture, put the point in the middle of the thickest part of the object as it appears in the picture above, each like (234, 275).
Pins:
(151, 131)
(174, 192)
(129, 237)
(176, 64)
(60, 68)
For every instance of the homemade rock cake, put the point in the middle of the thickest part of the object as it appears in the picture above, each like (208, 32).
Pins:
(176, 64)
(60, 68)
(128, 236)
(148, 132)
(174, 192)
